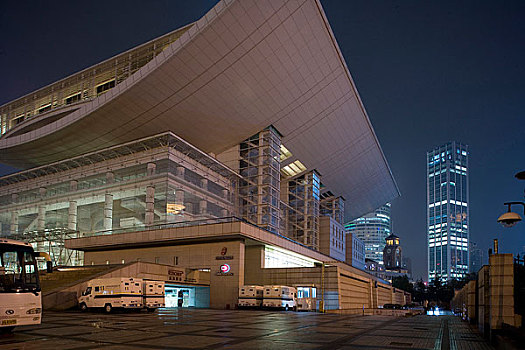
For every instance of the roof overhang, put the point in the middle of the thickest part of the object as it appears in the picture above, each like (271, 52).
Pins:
(243, 66)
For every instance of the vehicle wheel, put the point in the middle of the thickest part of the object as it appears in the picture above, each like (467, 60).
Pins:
(108, 308)
(83, 307)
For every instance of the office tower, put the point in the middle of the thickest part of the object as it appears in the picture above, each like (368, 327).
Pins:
(448, 211)
(373, 229)
(476, 257)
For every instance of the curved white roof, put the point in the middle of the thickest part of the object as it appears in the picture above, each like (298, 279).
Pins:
(243, 66)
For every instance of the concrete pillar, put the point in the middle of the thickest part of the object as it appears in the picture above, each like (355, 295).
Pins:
(73, 185)
(225, 194)
(203, 207)
(152, 167)
(224, 213)
(110, 177)
(108, 212)
(14, 198)
(180, 171)
(224, 287)
(41, 219)
(42, 191)
(204, 184)
(72, 216)
(150, 204)
(14, 222)
(179, 196)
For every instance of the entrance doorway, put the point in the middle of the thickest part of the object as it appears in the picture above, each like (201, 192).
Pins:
(187, 296)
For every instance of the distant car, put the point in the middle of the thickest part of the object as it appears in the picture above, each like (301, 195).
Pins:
(388, 306)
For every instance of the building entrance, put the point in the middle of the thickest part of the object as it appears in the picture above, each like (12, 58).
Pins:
(187, 296)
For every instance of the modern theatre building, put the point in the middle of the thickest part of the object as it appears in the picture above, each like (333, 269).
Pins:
(232, 149)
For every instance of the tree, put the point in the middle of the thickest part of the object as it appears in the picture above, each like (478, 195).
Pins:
(403, 283)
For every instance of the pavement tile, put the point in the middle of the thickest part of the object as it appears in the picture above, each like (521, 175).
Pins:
(184, 341)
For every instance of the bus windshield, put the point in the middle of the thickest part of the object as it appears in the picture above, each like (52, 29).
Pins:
(18, 269)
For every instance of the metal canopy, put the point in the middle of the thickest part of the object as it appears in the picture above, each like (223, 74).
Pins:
(242, 67)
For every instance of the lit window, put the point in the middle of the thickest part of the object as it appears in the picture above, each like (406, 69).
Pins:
(285, 153)
(105, 86)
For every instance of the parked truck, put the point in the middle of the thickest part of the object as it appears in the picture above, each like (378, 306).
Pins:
(282, 297)
(154, 295)
(110, 293)
(250, 296)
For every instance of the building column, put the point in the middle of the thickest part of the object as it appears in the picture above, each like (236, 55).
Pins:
(180, 171)
(150, 204)
(72, 216)
(204, 184)
(41, 219)
(110, 177)
(73, 185)
(14, 222)
(179, 196)
(203, 207)
(151, 169)
(108, 212)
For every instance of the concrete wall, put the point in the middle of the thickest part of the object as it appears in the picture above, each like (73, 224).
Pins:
(384, 294)
(501, 289)
(489, 301)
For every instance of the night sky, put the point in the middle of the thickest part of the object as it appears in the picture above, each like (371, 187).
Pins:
(427, 72)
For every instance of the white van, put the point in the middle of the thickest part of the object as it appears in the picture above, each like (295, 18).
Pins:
(282, 297)
(109, 293)
(153, 294)
(250, 296)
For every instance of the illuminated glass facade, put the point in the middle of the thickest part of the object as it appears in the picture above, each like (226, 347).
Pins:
(448, 211)
(372, 229)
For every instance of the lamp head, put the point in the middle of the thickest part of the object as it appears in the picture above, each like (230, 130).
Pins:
(509, 219)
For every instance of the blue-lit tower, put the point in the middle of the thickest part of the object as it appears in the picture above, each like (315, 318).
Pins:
(448, 211)
(372, 229)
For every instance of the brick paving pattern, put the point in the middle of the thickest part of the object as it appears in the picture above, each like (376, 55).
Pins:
(240, 329)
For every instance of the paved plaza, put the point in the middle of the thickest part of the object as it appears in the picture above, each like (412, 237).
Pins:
(241, 329)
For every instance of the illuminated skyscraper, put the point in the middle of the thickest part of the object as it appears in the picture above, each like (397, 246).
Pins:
(373, 229)
(448, 211)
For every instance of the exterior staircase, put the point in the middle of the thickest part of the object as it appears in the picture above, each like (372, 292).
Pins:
(63, 276)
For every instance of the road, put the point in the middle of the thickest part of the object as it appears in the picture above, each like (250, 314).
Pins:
(241, 329)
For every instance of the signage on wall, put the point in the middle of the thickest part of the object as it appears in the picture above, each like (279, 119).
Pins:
(175, 275)
(224, 270)
(223, 255)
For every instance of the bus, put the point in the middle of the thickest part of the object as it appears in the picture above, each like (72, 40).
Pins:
(20, 293)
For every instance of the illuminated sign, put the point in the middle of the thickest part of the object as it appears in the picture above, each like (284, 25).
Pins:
(224, 270)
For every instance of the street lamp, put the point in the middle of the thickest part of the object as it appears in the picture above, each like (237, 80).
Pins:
(510, 218)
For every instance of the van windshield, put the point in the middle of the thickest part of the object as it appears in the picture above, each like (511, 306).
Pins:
(18, 269)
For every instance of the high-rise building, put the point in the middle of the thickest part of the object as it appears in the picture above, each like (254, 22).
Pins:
(407, 264)
(373, 229)
(448, 211)
(476, 257)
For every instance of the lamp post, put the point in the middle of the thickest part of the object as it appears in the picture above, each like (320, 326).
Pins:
(511, 218)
